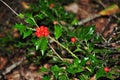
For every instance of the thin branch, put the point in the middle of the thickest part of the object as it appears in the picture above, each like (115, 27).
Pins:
(63, 47)
(34, 21)
(9, 7)
(55, 52)
(88, 19)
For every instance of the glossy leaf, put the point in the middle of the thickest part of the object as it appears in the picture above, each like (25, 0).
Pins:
(21, 28)
(40, 16)
(30, 20)
(86, 33)
(55, 70)
(63, 77)
(46, 78)
(57, 31)
(75, 22)
(42, 44)
(27, 33)
(100, 73)
(21, 16)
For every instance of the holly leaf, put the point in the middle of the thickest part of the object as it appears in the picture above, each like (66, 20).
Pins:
(75, 22)
(27, 33)
(100, 73)
(21, 16)
(86, 33)
(21, 28)
(57, 31)
(56, 70)
(30, 20)
(42, 44)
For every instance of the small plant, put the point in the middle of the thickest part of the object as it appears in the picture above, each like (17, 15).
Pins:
(51, 32)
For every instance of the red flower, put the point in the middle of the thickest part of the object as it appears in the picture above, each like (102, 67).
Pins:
(73, 39)
(42, 31)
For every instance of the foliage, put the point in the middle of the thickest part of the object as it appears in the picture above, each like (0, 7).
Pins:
(81, 59)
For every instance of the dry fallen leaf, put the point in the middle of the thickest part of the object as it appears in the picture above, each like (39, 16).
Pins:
(25, 5)
(3, 62)
(14, 76)
(74, 7)
(110, 30)
(110, 10)
(33, 67)
(100, 24)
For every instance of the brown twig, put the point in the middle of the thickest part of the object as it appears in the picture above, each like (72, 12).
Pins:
(10, 68)
(56, 53)
(88, 19)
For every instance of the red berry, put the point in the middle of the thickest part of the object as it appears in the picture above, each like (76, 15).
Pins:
(51, 6)
(45, 29)
(41, 28)
(37, 29)
(42, 33)
(106, 69)
(46, 33)
(73, 39)
(38, 34)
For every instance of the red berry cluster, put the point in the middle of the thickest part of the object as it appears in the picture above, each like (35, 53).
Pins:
(42, 31)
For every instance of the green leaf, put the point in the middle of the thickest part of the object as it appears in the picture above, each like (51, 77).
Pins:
(100, 73)
(21, 28)
(63, 77)
(42, 44)
(27, 33)
(84, 77)
(30, 20)
(55, 70)
(46, 78)
(28, 15)
(75, 22)
(43, 69)
(21, 16)
(86, 33)
(84, 60)
(57, 31)
(75, 67)
(40, 16)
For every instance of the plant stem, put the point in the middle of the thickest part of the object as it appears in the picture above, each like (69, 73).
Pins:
(34, 21)
(18, 14)
(63, 47)
(9, 8)
(56, 53)
(30, 28)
